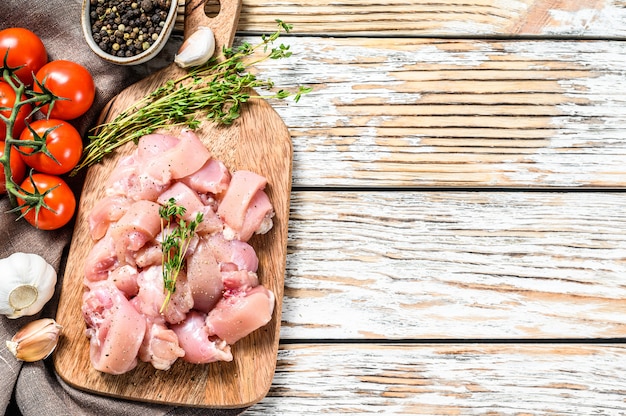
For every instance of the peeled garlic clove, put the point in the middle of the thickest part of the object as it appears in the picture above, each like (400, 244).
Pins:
(197, 48)
(36, 340)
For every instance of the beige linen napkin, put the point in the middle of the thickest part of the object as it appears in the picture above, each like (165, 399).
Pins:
(34, 388)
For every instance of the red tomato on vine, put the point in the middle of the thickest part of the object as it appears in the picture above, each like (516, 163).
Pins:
(62, 146)
(57, 205)
(69, 80)
(25, 51)
(18, 168)
(7, 101)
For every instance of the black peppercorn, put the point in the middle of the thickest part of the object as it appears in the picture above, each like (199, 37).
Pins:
(127, 27)
(147, 5)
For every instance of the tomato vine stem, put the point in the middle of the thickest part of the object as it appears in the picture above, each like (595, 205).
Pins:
(23, 97)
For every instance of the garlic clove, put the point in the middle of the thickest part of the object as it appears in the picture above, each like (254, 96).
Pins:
(196, 49)
(36, 340)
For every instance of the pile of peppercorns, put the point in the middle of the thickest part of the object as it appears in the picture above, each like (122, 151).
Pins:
(126, 28)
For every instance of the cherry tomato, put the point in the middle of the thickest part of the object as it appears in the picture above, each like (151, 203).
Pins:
(69, 80)
(25, 51)
(7, 101)
(18, 168)
(59, 200)
(62, 141)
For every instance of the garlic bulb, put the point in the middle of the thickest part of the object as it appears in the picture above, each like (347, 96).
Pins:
(197, 48)
(27, 283)
(36, 340)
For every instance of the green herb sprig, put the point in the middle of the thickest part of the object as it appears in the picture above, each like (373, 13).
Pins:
(217, 89)
(177, 235)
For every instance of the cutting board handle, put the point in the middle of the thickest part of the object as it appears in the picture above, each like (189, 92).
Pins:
(224, 25)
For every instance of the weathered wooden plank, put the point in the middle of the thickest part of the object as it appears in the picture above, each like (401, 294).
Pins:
(453, 379)
(436, 112)
(455, 265)
(582, 18)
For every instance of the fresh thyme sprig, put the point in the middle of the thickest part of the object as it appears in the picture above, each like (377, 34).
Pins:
(177, 235)
(217, 89)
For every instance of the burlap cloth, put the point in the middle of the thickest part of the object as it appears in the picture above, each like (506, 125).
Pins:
(34, 388)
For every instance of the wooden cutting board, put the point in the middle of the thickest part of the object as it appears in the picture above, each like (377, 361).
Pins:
(258, 141)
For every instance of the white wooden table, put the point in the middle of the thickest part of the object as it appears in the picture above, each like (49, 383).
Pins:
(457, 238)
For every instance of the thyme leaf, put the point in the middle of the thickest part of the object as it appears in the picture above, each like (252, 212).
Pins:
(177, 235)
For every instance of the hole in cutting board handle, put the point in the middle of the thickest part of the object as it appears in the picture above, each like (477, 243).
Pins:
(224, 25)
(212, 8)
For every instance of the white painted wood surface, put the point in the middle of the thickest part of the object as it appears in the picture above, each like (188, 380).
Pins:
(421, 278)
(569, 18)
(445, 265)
(453, 379)
(433, 112)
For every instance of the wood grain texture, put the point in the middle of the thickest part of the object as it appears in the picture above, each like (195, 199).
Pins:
(581, 18)
(442, 112)
(455, 379)
(258, 141)
(455, 265)
(446, 94)
(246, 379)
